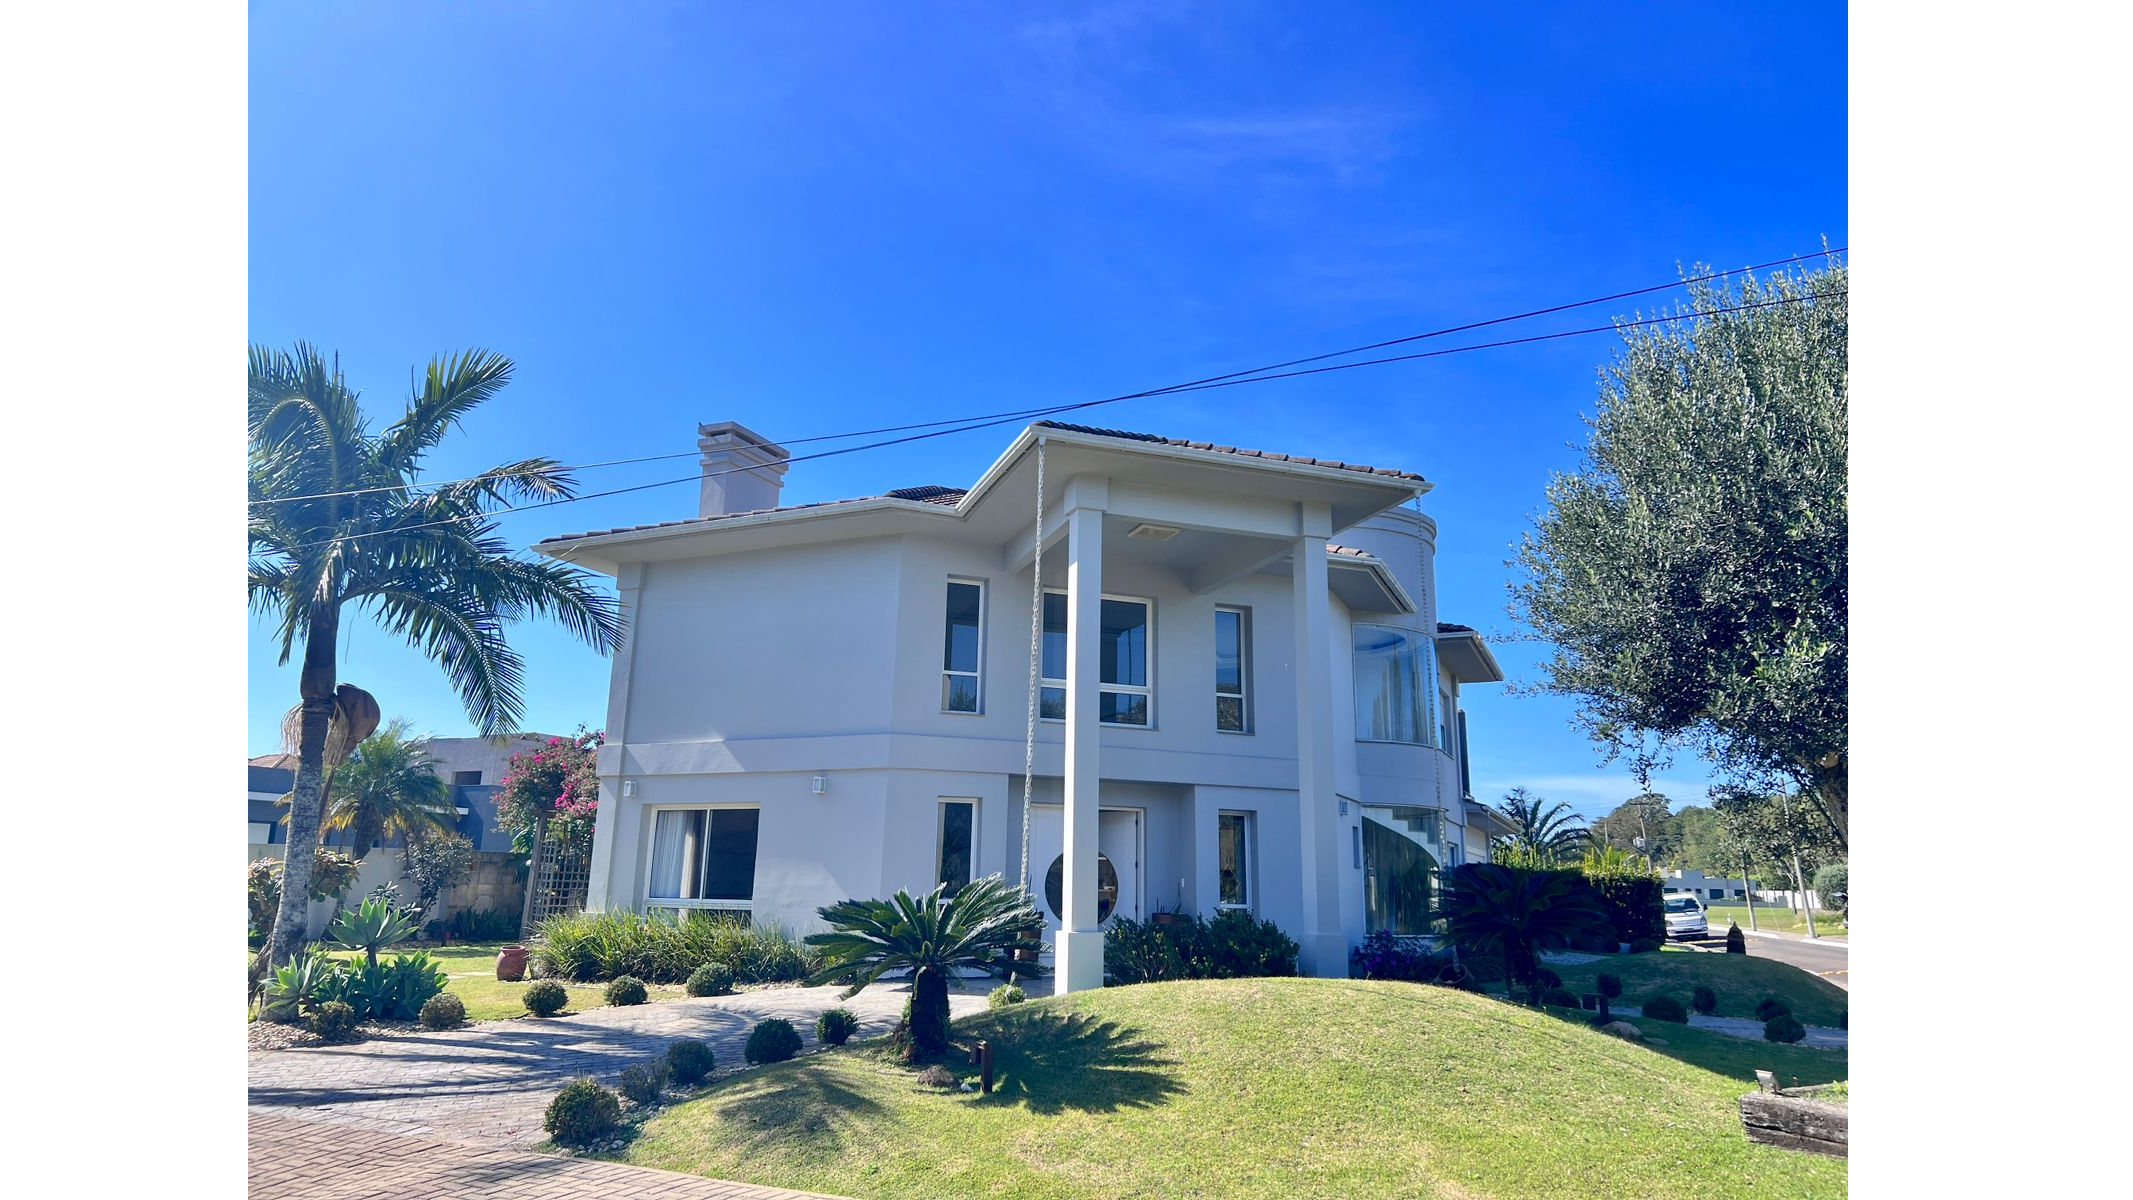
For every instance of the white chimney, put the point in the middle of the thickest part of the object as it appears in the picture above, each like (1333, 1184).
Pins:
(743, 470)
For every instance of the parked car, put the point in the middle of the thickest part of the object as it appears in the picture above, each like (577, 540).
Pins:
(1685, 918)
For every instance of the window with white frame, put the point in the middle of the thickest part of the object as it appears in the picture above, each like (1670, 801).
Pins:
(962, 647)
(1233, 856)
(1395, 685)
(957, 843)
(702, 858)
(1125, 649)
(1233, 670)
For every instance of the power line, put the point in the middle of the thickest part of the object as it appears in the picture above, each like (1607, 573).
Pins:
(1190, 385)
(1204, 385)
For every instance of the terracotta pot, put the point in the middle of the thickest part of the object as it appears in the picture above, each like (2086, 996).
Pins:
(511, 964)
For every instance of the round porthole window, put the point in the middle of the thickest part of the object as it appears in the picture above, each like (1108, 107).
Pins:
(1106, 888)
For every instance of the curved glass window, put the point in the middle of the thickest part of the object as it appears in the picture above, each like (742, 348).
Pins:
(1395, 685)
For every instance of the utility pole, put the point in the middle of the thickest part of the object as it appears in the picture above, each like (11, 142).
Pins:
(1747, 886)
(1799, 882)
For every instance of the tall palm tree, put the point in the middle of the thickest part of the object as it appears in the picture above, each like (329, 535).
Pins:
(337, 520)
(1519, 913)
(388, 786)
(983, 926)
(1550, 835)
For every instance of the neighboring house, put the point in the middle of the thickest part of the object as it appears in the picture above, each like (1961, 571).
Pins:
(1710, 889)
(1246, 697)
(473, 768)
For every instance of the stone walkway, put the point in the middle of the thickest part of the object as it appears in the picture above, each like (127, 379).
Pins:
(1745, 1027)
(490, 1083)
(312, 1160)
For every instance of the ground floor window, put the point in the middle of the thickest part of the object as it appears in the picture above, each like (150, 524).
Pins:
(1398, 874)
(958, 837)
(703, 858)
(1233, 851)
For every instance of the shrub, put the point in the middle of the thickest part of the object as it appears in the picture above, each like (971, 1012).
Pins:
(1703, 1000)
(1239, 945)
(1666, 1008)
(1831, 881)
(1547, 979)
(398, 988)
(1384, 955)
(690, 1062)
(334, 1020)
(1643, 946)
(435, 862)
(443, 1011)
(1234, 945)
(774, 1040)
(1004, 995)
(583, 1112)
(625, 991)
(1560, 997)
(1608, 985)
(1736, 941)
(711, 979)
(1770, 1007)
(1633, 899)
(483, 925)
(1783, 1028)
(645, 1082)
(937, 1077)
(589, 947)
(837, 1026)
(546, 998)
(1135, 952)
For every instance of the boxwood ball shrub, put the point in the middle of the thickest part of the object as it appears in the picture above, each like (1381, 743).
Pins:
(774, 1040)
(1703, 1000)
(582, 1113)
(333, 1020)
(1608, 985)
(1736, 941)
(1783, 1028)
(626, 991)
(443, 1011)
(690, 1062)
(1560, 997)
(1666, 1008)
(711, 979)
(1770, 1008)
(645, 1082)
(546, 998)
(1004, 995)
(837, 1026)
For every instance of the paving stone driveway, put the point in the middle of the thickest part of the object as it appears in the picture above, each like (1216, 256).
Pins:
(490, 1083)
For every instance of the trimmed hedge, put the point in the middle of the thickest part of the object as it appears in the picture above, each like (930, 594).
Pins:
(546, 998)
(582, 1112)
(690, 1062)
(836, 1026)
(774, 1040)
(1783, 1028)
(1666, 1008)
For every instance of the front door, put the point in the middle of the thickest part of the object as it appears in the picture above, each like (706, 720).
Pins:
(1118, 863)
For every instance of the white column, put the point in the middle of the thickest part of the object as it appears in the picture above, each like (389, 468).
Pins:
(1080, 956)
(607, 889)
(1324, 948)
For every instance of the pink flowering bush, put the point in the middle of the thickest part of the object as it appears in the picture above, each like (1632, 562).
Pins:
(556, 784)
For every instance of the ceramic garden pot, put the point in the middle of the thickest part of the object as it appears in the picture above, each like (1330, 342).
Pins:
(511, 964)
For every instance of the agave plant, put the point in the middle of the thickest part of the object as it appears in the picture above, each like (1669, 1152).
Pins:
(983, 925)
(300, 986)
(372, 926)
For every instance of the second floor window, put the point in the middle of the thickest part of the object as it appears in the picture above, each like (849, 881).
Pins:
(1232, 670)
(1125, 647)
(961, 646)
(1395, 685)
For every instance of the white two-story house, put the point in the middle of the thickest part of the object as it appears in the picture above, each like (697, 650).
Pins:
(1243, 695)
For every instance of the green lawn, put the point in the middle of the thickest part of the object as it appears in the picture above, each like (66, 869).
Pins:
(1263, 1088)
(472, 966)
(1741, 981)
(1779, 920)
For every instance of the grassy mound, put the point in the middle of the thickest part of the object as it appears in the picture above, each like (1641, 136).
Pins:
(1264, 1088)
(1740, 981)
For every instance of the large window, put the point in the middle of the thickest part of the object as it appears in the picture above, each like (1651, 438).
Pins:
(1395, 685)
(958, 841)
(962, 647)
(1398, 873)
(703, 858)
(1125, 647)
(1233, 852)
(1233, 670)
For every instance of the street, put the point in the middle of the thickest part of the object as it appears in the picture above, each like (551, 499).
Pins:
(1824, 957)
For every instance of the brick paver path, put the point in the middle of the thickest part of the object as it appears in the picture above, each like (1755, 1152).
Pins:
(490, 1083)
(313, 1160)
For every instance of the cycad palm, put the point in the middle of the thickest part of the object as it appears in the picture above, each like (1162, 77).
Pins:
(337, 520)
(1519, 913)
(388, 786)
(1547, 836)
(984, 925)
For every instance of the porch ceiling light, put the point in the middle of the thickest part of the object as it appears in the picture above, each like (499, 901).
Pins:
(1148, 531)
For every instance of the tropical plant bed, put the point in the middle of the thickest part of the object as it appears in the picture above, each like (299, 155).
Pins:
(472, 970)
(1260, 1087)
(1739, 981)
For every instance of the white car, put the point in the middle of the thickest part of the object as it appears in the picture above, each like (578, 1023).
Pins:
(1685, 918)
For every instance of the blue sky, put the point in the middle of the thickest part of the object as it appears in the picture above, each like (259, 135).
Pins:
(836, 216)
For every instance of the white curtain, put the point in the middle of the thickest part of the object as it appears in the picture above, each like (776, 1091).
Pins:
(670, 845)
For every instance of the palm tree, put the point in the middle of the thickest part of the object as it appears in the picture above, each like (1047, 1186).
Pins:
(1547, 836)
(388, 786)
(1519, 913)
(337, 521)
(984, 925)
